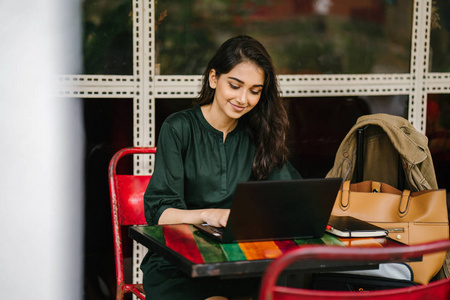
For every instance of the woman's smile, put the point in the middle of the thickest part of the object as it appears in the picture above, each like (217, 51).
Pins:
(237, 107)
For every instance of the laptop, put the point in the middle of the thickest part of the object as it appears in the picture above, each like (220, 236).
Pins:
(277, 210)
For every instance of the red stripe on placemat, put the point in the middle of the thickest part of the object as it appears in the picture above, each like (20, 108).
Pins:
(285, 245)
(180, 239)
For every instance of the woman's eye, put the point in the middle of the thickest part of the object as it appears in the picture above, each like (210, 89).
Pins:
(255, 92)
(235, 87)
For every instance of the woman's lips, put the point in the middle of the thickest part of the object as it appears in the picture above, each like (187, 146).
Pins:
(237, 107)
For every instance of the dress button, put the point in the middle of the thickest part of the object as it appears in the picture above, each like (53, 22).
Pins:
(399, 237)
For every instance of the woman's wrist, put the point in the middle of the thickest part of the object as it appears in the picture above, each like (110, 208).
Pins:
(180, 216)
(213, 216)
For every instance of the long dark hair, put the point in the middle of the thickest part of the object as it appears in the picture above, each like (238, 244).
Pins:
(267, 122)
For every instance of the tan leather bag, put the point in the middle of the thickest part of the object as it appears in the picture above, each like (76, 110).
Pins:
(411, 218)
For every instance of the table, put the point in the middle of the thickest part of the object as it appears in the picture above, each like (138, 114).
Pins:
(200, 256)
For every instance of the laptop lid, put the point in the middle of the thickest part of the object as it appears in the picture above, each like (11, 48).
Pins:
(281, 209)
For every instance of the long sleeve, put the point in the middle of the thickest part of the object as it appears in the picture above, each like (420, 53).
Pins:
(166, 188)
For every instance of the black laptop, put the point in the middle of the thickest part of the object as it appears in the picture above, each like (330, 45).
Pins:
(276, 210)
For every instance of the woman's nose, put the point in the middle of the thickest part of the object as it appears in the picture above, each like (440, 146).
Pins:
(241, 99)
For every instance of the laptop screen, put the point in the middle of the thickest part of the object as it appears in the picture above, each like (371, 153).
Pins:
(284, 209)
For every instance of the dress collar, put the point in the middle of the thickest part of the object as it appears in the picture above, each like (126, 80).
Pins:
(207, 126)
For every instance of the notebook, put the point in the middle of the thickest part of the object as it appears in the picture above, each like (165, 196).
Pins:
(276, 210)
(347, 226)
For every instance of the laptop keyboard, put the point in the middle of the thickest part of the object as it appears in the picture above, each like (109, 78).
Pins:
(217, 231)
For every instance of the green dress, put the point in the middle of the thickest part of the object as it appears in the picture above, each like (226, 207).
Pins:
(195, 169)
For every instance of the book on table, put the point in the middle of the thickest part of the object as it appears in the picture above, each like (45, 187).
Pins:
(347, 226)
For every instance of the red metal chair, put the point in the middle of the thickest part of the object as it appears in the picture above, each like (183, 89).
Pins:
(434, 290)
(127, 209)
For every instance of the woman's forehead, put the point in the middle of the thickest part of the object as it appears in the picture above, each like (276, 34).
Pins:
(248, 73)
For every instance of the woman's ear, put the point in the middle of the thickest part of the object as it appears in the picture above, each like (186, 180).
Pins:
(212, 79)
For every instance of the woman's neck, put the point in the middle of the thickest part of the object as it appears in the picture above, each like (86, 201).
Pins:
(218, 120)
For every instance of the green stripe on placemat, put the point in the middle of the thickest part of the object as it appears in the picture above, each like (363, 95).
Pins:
(331, 240)
(233, 252)
(301, 242)
(326, 239)
(155, 232)
(210, 249)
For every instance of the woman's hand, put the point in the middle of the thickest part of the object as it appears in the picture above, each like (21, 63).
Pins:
(215, 216)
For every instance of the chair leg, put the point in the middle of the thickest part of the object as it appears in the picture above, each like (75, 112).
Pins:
(120, 292)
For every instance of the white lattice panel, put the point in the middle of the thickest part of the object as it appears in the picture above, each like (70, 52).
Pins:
(177, 86)
(95, 86)
(344, 85)
(343, 79)
(438, 83)
(96, 80)
(303, 85)
(96, 92)
(144, 110)
(139, 117)
(300, 85)
(419, 63)
(149, 72)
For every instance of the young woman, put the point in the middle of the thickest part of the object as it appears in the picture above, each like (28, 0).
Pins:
(236, 132)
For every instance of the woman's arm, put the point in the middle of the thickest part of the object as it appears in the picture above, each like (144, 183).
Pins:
(213, 216)
(166, 186)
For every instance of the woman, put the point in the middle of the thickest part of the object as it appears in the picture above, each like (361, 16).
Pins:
(236, 132)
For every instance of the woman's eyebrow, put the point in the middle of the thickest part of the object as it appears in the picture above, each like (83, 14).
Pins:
(240, 81)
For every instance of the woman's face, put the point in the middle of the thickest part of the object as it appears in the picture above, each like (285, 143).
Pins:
(238, 91)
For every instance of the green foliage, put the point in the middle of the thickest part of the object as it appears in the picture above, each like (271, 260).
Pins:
(107, 35)
(189, 32)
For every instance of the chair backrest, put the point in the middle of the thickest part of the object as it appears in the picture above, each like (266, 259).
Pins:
(436, 290)
(127, 206)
